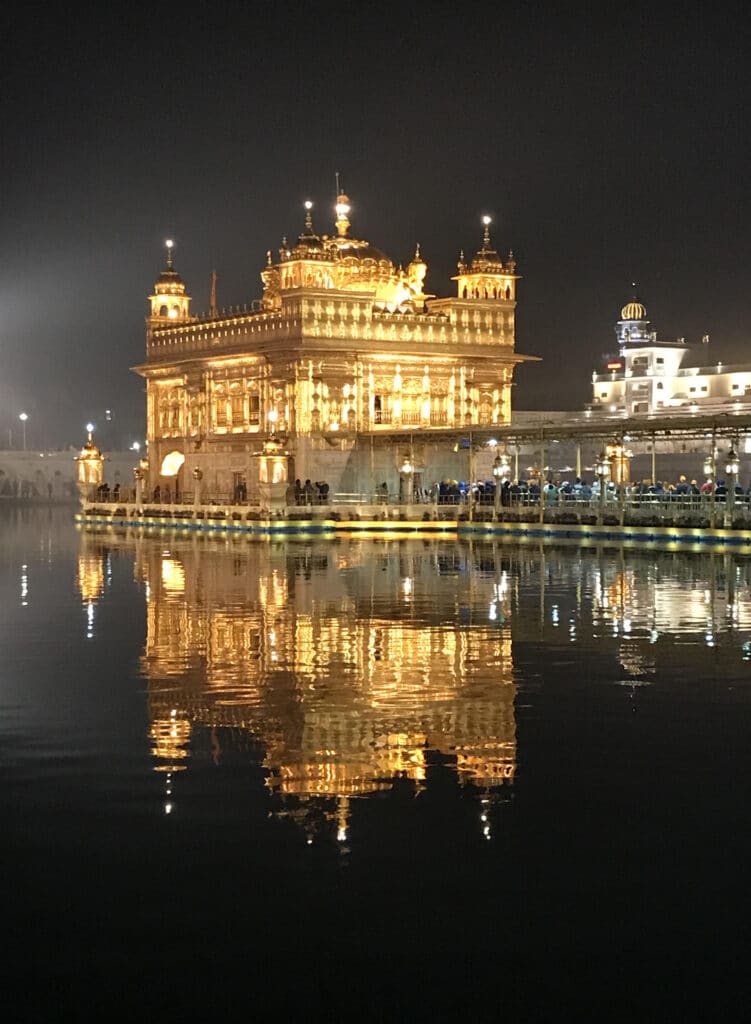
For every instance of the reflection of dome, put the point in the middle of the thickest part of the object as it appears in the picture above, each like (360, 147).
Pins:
(633, 311)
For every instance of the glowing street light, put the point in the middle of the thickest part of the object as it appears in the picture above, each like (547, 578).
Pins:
(602, 468)
(732, 466)
(23, 417)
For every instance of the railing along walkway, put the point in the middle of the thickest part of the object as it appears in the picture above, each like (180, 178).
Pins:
(699, 511)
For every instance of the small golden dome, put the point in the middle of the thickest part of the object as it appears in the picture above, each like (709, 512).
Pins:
(170, 281)
(633, 311)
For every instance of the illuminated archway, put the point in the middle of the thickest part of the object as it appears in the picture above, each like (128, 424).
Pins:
(172, 463)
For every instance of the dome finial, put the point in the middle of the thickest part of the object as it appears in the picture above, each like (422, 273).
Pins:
(169, 245)
(487, 221)
(342, 209)
(634, 310)
(308, 217)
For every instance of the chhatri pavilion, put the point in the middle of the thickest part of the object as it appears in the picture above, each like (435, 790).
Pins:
(346, 366)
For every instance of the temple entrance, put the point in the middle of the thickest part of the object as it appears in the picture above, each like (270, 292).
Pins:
(239, 488)
(170, 480)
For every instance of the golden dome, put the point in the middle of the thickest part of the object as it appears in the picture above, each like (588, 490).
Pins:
(169, 282)
(633, 310)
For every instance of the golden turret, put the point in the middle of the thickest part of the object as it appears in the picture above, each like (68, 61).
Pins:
(487, 277)
(169, 304)
(90, 467)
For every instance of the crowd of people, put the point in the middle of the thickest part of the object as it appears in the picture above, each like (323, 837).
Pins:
(457, 492)
(554, 492)
(308, 493)
(104, 493)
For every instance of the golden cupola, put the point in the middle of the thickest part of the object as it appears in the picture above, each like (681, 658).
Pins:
(343, 263)
(634, 310)
(169, 303)
(487, 278)
(308, 264)
(309, 244)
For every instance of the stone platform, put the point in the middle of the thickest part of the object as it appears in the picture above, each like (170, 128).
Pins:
(404, 521)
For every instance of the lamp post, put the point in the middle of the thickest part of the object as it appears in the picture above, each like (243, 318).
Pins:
(731, 469)
(406, 471)
(139, 475)
(497, 477)
(23, 417)
(602, 469)
(500, 473)
(709, 475)
(197, 475)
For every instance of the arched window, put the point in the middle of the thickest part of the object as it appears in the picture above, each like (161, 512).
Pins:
(172, 463)
(162, 311)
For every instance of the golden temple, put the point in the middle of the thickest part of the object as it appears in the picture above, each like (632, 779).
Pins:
(345, 358)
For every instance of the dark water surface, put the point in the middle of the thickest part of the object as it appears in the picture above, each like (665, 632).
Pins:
(360, 780)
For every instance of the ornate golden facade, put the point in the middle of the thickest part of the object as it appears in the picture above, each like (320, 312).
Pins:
(344, 345)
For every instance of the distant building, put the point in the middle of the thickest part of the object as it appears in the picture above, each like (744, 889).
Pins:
(345, 359)
(648, 377)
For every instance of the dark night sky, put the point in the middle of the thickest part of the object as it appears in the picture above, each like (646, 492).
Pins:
(610, 145)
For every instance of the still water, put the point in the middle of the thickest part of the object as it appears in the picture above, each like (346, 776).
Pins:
(370, 780)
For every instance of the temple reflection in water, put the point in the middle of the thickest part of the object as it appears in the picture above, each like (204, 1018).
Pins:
(343, 666)
(343, 662)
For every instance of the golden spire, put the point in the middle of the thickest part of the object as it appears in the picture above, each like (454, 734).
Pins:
(342, 210)
(308, 217)
(170, 245)
(487, 221)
